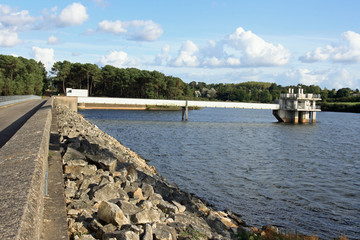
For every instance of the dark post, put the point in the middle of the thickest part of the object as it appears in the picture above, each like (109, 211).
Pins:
(185, 112)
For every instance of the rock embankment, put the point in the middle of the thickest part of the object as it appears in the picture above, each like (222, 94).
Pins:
(111, 193)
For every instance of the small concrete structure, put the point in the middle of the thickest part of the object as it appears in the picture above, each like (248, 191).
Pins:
(297, 108)
(77, 92)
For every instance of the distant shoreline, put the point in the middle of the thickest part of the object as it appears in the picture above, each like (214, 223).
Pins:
(351, 107)
(105, 106)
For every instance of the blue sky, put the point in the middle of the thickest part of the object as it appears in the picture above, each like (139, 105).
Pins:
(287, 42)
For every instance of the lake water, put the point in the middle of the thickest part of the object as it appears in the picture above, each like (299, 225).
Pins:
(303, 178)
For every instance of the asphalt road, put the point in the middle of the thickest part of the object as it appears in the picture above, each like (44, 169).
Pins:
(14, 116)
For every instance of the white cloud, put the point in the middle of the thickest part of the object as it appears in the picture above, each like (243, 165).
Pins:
(145, 30)
(304, 76)
(8, 38)
(346, 51)
(73, 15)
(52, 40)
(163, 57)
(239, 49)
(118, 59)
(255, 51)
(15, 20)
(187, 55)
(330, 78)
(45, 55)
(116, 27)
(342, 78)
(138, 30)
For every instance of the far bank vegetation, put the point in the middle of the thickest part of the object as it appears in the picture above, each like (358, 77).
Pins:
(20, 76)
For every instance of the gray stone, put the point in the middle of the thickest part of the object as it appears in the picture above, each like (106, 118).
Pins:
(134, 228)
(197, 223)
(78, 170)
(146, 216)
(72, 154)
(148, 233)
(84, 237)
(78, 162)
(95, 225)
(147, 190)
(110, 191)
(132, 174)
(145, 204)
(107, 228)
(181, 208)
(111, 213)
(108, 163)
(128, 208)
(121, 235)
(167, 207)
(164, 232)
(70, 189)
(106, 179)
(130, 187)
(156, 198)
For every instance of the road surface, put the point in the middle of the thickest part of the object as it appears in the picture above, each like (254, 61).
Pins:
(14, 116)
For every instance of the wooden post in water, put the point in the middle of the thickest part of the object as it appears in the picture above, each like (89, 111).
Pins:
(185, 112)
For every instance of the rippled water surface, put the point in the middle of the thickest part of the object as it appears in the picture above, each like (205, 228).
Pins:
(303, 178)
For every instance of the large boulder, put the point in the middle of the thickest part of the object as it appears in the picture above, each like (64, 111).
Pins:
(110, 191)
(128, 208)
(72, 154)
(111, 213)
(146, 216)
(148, 235)
(106, 162)
(164, 232)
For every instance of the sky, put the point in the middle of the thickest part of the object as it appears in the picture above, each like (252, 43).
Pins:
(212, 41)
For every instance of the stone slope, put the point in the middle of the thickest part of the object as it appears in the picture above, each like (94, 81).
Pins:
(112, 193)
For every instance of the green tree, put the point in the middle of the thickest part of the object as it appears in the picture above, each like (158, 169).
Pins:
(343, 92)
(62, 72)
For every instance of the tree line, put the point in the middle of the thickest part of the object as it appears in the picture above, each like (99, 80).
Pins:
(22, 76)
(111, 81)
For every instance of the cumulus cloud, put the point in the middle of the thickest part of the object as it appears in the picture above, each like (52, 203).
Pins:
(163, 57)
(138, 30)
(118, 59)
(116, 27)
(52, 40)
(343, 78)
(187, 55)
(8, 38)
(329, 78)
(239, 49)
(45, 55)
(303, 76)
(346, 51)
(73, 15)
(12, 19)
(255, 51)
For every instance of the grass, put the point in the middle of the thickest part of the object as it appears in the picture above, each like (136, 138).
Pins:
(192, 234)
